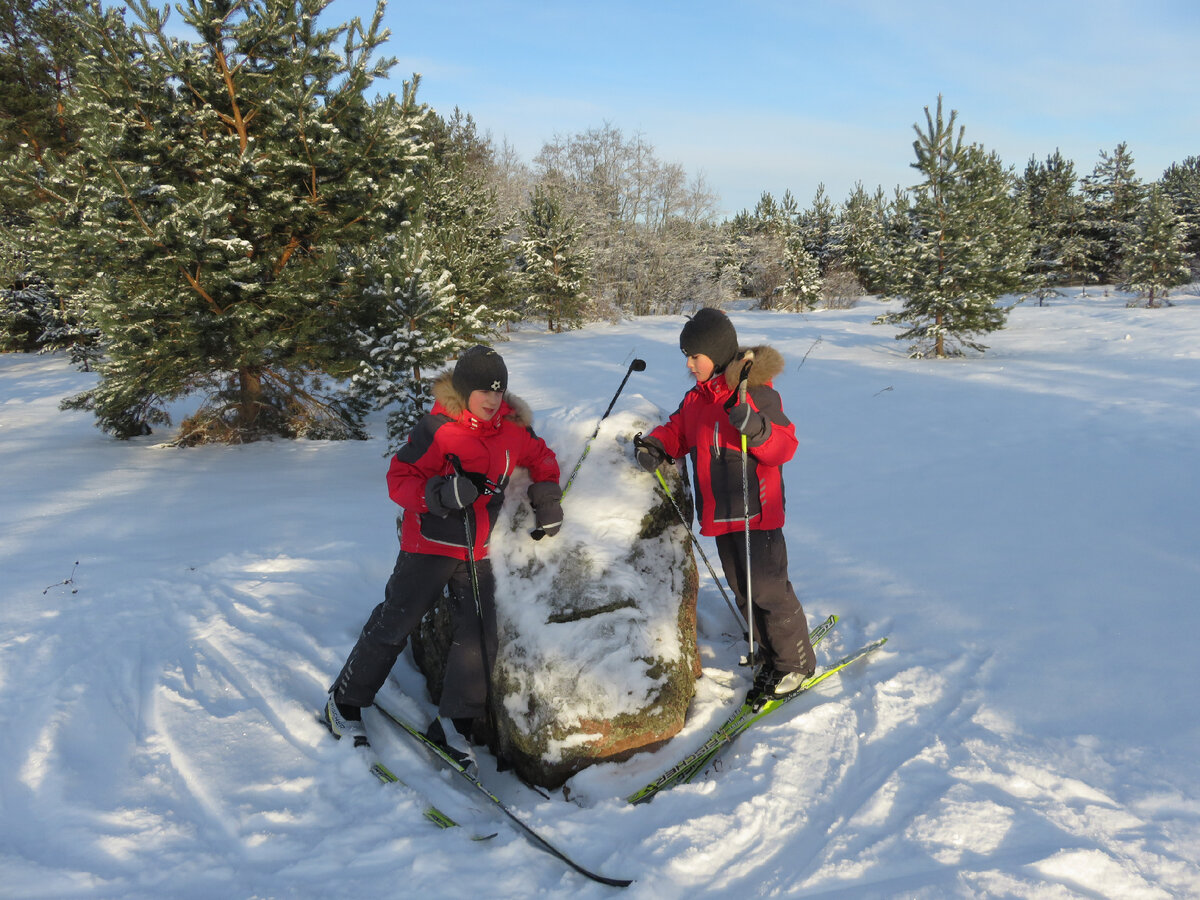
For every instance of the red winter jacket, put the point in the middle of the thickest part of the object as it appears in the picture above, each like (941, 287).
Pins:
(701, 427)
(492, 448)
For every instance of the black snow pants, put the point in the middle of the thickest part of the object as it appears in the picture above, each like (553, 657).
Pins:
(415, 587)
(780, 626)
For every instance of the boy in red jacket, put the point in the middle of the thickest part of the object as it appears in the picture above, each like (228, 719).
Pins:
(704, 428)
(490, 433)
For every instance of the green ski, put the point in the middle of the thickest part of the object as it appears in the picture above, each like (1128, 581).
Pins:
(752, 710)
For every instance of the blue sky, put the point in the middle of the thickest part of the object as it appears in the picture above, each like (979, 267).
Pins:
(772, 95)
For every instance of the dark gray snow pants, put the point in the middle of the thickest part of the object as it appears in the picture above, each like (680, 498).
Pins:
(780, 625)
(415, 587)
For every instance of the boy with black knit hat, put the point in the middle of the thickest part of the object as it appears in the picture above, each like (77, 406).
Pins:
(455, 464)
(709, 425)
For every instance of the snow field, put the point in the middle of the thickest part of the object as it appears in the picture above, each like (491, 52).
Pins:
(1021, 525)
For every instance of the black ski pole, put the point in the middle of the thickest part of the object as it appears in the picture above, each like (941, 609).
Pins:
(456, 463)
(638, 365)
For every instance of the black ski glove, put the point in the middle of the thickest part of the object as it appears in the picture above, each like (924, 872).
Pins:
(446, 493)
(750, 422)
(546, 499)
(650, 452)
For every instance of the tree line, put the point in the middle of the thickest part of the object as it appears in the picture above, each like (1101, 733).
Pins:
(240, 216)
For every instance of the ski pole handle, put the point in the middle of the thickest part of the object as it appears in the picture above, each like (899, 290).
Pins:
(638, 365)
(741, 390)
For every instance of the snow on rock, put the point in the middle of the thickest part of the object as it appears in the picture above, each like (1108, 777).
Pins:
(598, 653)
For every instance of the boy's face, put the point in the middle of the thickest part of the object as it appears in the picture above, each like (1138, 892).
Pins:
(485, 404)
(701, 367)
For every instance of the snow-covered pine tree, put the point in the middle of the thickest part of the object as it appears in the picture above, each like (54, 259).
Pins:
(1154, 259)
(801, 289)
(33, 317)
(742, 245)
(465, 232)
(39, 48)
(760, 248)
(1181, 181)
(1058, 253)
(555, 261)
(441, 285)
(967, 243)
(777, 217)
(422, 325)
(38, 51)
(861, 225)
(218, 187)
(729, 266)
(817, 226)
(1112, 198)
(24, 302)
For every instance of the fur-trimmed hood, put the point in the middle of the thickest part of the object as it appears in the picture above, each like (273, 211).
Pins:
(767, 362)
(514, 409)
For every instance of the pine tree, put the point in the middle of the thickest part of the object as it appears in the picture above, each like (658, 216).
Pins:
(465, 231)
(862, 228)
(218, 189)
(555, 262)
(778, 218)
(1182, 184)
(967, 242)
(39, 49)
(1058, 253)
(1154, 259)
(27, 304)
(817, 226)
(442, 282)
(739, 246)
(22, 301)
(801, 289)
(757, 248)
(422, 325)
(787, 251)
(1113, 197)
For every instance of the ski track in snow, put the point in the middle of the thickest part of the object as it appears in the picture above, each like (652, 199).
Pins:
(159, 727)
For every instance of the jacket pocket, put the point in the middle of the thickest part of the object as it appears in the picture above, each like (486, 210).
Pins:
(725, 477)
(449, 531)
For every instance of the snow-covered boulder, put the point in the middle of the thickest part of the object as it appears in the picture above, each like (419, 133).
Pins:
(597, 657)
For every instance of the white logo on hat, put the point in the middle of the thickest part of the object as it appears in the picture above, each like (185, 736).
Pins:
(495, 385)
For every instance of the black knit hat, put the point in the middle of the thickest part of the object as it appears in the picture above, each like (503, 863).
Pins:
(479, 369)
(710, 332)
